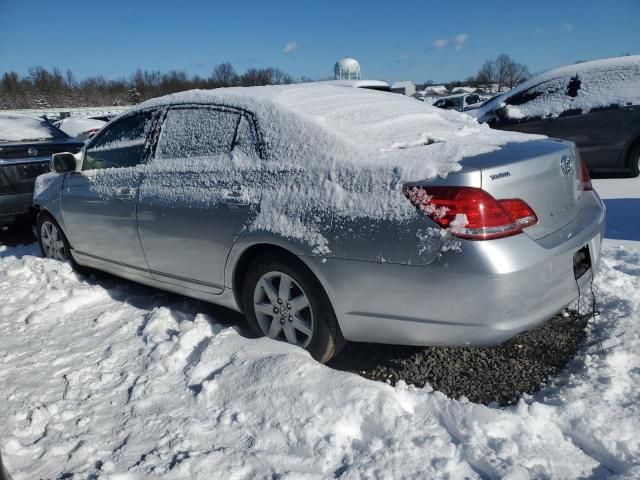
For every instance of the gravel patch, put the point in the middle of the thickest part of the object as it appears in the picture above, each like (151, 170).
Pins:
(483, 375)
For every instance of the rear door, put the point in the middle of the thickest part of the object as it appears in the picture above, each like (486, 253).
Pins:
(200, 190)
(99, 202)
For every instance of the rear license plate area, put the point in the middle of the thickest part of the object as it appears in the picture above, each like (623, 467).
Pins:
(581, 262)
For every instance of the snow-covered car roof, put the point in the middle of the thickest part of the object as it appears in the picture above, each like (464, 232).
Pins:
(325, 123)
(372, 84)
(602, 83)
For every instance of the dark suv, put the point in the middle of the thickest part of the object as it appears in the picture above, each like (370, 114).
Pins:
(26, 145)
(594, 104)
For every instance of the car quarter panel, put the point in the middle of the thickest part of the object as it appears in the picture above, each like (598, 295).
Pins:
(481, 295)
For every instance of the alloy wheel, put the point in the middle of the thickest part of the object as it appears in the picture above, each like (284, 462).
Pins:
(283, 309)
(52, 242)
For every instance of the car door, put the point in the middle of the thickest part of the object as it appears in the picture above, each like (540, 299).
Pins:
(99, 202)
(201, 188)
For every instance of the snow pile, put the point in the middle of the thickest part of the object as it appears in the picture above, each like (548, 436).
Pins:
(583, 86)
(105, 379)
(16, 128)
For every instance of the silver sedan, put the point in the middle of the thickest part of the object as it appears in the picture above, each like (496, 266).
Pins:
(328, 214)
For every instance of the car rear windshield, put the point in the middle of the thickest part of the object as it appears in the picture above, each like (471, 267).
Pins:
(16, 128)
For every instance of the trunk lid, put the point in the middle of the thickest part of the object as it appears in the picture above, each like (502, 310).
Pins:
(21, 163)
(543, 173)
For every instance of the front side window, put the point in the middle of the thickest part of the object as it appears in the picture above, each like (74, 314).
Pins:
(197, 132)
(121, 144)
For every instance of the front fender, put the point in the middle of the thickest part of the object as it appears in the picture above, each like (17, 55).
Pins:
(47, 195)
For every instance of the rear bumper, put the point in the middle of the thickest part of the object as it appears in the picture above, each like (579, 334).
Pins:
(483, 295)
(15, 208)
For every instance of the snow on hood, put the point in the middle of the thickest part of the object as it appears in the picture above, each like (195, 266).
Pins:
(351, 150)
(612, 81)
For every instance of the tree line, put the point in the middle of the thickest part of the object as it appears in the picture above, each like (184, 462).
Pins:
(43, 88)
(494, 75)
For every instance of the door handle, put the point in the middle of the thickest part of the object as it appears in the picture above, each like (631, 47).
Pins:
(234, 199)
(126, 194)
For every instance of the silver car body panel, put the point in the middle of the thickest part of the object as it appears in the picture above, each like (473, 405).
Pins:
(99, 214)
(483, 295)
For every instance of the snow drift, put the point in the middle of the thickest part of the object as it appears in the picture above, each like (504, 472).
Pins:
(105, 379)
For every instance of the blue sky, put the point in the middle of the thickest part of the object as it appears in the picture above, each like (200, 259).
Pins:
(407, 40)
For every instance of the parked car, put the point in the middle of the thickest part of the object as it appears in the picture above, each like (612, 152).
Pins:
(461, 102)
(26, 145)
(594, 104)
(325, 213)
(81, 128)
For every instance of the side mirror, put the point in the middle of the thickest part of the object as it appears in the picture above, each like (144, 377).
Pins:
(62, 162)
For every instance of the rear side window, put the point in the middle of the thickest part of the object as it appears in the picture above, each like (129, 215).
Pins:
(197, 132)
(121, 144)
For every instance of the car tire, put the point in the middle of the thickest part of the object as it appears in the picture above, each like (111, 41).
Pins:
(633, 162)
(283, 300)
(53, 242)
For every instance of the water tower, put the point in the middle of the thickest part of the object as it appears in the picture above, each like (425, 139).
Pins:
(347, 68)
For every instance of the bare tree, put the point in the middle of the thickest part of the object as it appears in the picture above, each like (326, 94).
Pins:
(487, 73)
(43, 88)
(504, 71)
(503, 64)
(224, 75)
(516, 73)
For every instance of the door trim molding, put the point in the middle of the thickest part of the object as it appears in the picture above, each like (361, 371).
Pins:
(165, 278)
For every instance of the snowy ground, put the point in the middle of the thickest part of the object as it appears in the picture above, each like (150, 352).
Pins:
(105, 379)
(622, 198)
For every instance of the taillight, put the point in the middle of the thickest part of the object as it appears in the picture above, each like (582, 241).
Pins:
(585, 177)
(471, 212)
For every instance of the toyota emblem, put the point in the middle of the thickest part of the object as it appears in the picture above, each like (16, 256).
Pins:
(565, 165)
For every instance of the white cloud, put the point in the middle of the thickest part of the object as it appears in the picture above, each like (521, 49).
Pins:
(441, 42)
(290, 47)
(459, 41)
(567, 27)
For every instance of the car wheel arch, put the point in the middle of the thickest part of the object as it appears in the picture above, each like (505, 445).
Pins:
(256, 250)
